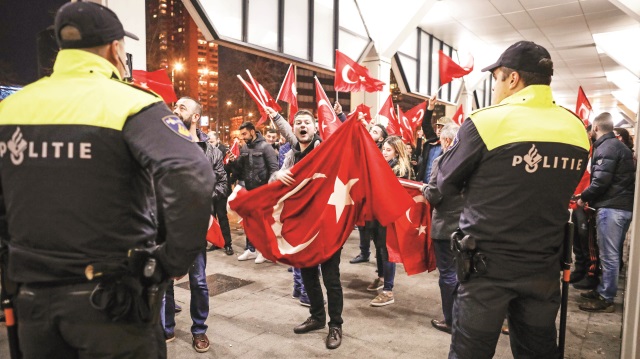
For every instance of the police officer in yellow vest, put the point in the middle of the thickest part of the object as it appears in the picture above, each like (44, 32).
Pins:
(80, 151)
(517, 164)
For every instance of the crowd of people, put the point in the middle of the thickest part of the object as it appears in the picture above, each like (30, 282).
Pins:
(130, 209)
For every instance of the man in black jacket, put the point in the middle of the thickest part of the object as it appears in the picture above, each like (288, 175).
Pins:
(611, 193)
(220, 202)
(257, 162)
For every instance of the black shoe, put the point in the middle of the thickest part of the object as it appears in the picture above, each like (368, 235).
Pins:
(228, 250)
(587, 283)
(441, 325)
(576, 277)
(212, 248)
(599, 305)
(591, 295)
(334, 338)
(359, 259)
(308, 325)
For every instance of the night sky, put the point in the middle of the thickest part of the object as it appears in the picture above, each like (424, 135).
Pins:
(20, 22)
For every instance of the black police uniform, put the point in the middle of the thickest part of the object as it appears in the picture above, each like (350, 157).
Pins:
(79, 152)
(517, 164)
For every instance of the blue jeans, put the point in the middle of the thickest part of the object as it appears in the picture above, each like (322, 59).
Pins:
(448, 278)
(386, 269)
(199, 299)
(612, 226)
(365, 241)
(249, 246)
(298, 285)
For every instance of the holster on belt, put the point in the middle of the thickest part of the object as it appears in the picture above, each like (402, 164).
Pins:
(131, 291)
(466, 257)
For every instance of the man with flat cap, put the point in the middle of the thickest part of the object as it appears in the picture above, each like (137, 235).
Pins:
(80, 153)
(517, 163)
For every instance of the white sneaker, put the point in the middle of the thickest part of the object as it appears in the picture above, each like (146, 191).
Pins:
(260, 258)
(247, 255)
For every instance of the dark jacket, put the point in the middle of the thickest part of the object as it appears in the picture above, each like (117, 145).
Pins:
(612, 175)
(518, 163)
(446, 209)
(424, 146)
(215, 157)
(257, 162)
(99, 145)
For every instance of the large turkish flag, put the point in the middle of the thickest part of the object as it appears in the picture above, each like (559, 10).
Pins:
(342, 182)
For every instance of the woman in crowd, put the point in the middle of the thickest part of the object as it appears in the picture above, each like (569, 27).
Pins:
(394, 152)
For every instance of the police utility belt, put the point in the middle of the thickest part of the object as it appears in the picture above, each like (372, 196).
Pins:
(466, 257)
(130, 291)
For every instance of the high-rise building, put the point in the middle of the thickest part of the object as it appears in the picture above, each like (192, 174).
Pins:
(175, 43)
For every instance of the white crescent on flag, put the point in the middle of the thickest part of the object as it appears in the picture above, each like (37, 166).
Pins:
(345, 74)
(283, 245)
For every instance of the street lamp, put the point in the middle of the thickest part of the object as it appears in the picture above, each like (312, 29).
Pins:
(176, 67)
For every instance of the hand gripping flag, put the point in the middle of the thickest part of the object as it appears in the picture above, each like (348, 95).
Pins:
(342, 182)
(214, 234)
(156, 81)
(353, 77)
(449, 70)
(288, 92)
(408, 237)
(365, 110)
(458, 117)
(260, 96)
(235, 150)
(328, 122)
(583, 107)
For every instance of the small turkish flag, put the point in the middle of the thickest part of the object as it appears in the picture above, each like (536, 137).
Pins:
(214, 234)
(408, 238)
(416, 114)
(260, 96)
(328, 122)
(449, 70)
(404, 128)
(235, 150)
(365, 110)
(288, 92)
(156, 81)
(583, 107)
(304, 224)
(386, 113)
(458, 117)
(353, 77)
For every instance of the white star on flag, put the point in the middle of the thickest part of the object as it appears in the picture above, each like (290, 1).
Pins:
(341, 197)
(421, 229)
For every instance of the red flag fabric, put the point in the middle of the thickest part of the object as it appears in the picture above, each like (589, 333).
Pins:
(288, 92)
(306, 223)
(406, 131)
(260, 96)
(408, 238)
(214, 234)
(353, 77)
(449, 70)
(156, 81)
(583, 107)
(387, 114)
(328, 122)
(416, 114)
(366, 111)
(458, 117)
(235, 149)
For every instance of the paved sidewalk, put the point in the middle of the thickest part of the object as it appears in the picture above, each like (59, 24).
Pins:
(256, 320)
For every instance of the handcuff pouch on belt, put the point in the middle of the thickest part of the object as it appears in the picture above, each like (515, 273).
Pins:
(466, 256)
